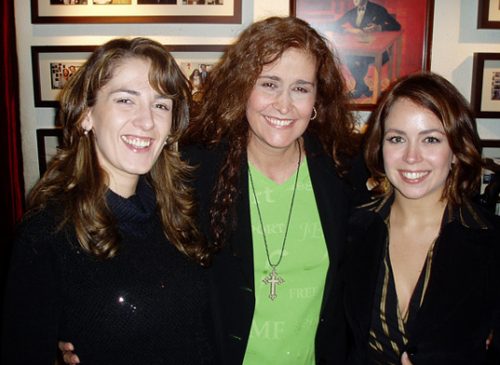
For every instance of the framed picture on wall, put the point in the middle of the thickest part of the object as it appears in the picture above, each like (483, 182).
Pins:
(196, 61)
(490, 177)
(378, 43)
(485, 90)
(54, 65)
(48, 141)
(136, 11)
(488, 14)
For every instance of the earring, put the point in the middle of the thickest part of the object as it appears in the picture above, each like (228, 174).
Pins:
(86, 132)
(315, 114)
(171, 145)
(385, 185)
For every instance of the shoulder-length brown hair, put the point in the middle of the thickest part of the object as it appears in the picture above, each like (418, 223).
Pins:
(221, 115)
(438, 95)
(75, 179)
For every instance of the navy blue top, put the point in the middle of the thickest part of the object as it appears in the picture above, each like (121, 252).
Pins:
(147, 305)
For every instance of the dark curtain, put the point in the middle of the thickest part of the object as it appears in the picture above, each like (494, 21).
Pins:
(11, 176)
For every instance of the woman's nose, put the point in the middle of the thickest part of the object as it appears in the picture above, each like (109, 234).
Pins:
(283, 102)
(144, 118)
(412, 153)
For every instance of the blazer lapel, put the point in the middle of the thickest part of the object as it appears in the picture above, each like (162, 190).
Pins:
(333, 203)
(457, 269)
(242, 241)
(361, 270)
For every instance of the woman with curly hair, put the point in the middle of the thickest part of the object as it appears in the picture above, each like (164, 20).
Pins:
(271, 139)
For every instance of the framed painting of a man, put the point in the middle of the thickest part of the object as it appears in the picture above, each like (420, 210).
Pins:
(377, 41)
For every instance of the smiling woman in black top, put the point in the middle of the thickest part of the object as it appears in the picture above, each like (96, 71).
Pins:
(108, 255)
(421, 276)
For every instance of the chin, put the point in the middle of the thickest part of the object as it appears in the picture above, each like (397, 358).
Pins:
(418, 194)
(138, 170)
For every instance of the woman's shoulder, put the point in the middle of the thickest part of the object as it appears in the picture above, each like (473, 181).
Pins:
(366, 231)
(475, 217)
(375, 207)
(40, 225)
(200, 154)
(367, 217)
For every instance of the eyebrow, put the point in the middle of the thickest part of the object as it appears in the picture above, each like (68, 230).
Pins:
(426, 131)
(127, 91)
(276, 78)
(135, 93)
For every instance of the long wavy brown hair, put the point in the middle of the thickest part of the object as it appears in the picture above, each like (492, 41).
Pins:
(74, 178)
(221, 115)
(436, 94)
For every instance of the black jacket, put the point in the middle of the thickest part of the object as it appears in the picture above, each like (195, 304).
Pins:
(462, 300)
(232, 276)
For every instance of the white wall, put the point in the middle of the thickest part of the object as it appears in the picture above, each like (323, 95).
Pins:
(455, 39)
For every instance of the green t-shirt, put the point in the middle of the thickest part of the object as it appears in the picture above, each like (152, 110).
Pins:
(283, 330)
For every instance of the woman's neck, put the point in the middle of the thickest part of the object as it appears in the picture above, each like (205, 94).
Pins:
(277, 164)
(417, 212)
(123, 187)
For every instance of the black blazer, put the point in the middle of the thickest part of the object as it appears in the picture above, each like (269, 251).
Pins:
(232, 276)
(462, 301)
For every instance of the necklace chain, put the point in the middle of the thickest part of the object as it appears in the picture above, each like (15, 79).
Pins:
(273, 266)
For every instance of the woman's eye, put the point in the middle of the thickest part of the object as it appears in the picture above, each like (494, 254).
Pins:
(302, 90)
(162, 106)
(394, 139)
(269, 85)
(432, 139)
(123, 101)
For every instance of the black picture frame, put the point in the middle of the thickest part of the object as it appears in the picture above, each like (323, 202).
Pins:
(485, 89)
(213, 11)
(48, 141)
(486, 12)
(48, 64)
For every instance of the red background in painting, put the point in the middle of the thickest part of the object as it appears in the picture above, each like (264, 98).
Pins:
(410, 14)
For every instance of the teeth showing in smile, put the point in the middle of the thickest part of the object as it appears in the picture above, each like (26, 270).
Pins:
(137, 142)
(279, 122)
(413, 175)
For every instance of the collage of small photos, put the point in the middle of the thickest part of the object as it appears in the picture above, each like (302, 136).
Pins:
(196, 72)
(139, 2)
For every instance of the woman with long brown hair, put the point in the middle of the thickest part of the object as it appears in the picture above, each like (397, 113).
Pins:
(109, 256)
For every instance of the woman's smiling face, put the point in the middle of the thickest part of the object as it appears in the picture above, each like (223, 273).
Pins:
(130, 123)
(281, 102)
(416, 152)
